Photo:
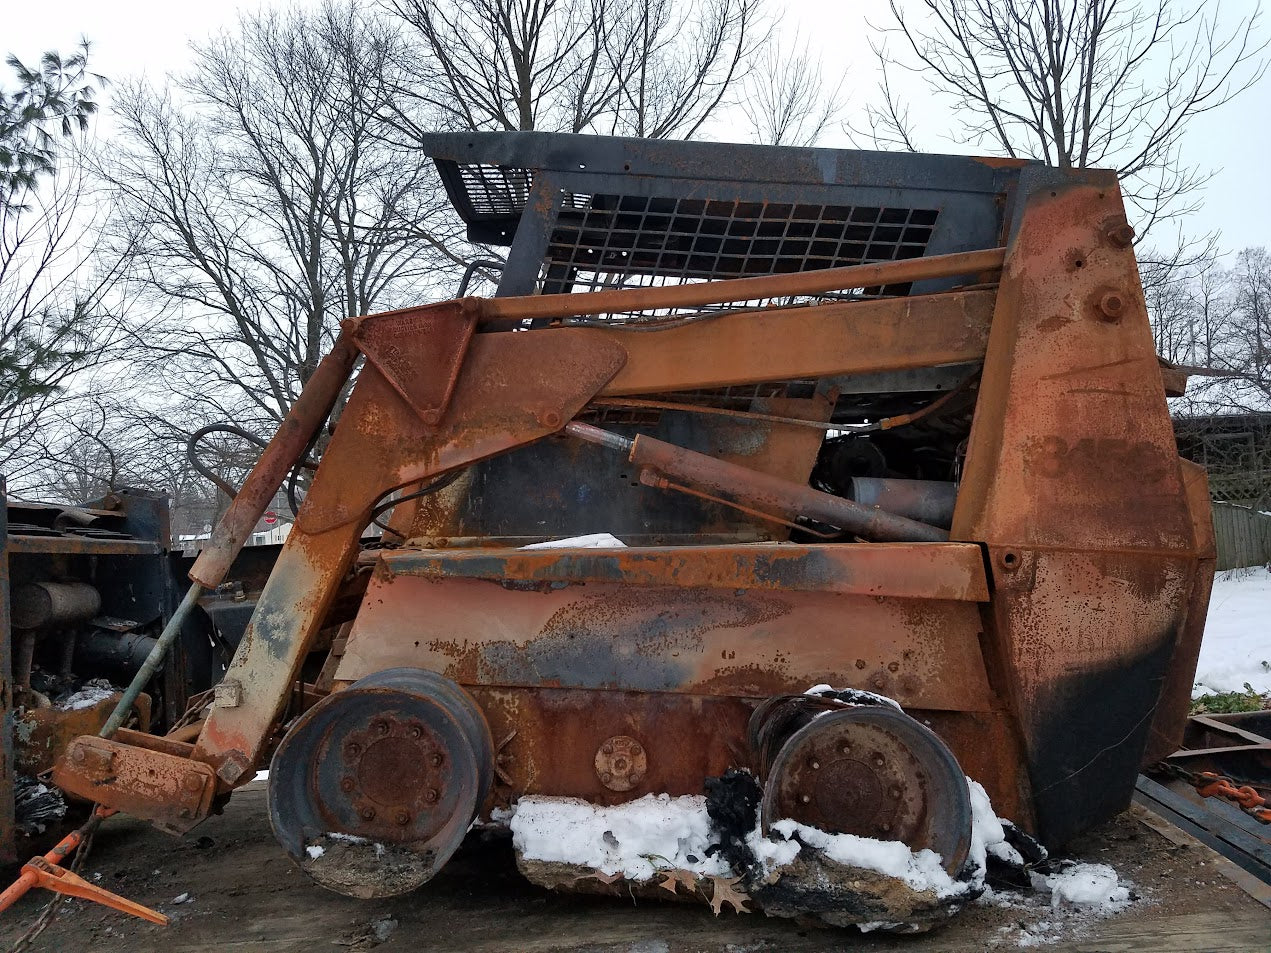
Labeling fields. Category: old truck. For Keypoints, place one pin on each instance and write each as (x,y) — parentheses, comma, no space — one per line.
(887,423)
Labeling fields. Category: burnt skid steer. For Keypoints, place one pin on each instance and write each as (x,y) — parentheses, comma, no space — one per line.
(888,424)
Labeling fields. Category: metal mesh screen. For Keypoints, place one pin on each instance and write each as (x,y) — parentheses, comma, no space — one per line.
(638,241)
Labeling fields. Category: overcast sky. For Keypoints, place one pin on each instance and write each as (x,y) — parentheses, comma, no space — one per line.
(133,36)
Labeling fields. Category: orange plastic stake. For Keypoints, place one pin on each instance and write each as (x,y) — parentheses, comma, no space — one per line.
(45,872)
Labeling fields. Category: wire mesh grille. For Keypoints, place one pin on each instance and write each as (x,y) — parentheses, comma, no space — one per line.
(632,241)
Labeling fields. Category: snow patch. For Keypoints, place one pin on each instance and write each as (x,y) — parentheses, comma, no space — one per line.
(636,839)
(1094,888)
(315,851)
(590,541)
(853,696)
(85,698)
(1235,649)
(923,870)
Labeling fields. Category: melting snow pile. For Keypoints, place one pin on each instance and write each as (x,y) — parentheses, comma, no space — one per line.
(635,839)
(1092,887)
(656,833)
(1235,649)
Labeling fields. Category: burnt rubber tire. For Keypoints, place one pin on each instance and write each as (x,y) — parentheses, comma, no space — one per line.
(372,790)
(873,771)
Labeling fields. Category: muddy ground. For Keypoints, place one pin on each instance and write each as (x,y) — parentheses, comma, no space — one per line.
(244,894)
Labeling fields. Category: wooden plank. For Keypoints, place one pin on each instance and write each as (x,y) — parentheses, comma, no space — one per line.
(1224,932)
(1246,881)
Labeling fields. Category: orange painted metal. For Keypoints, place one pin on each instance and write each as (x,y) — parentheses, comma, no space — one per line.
(160,783)
(745,289)
(1036,645)
(667,635)
(823,340)
(1073,481)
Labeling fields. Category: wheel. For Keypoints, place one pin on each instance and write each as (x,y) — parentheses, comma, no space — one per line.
(867,770)
(373,789)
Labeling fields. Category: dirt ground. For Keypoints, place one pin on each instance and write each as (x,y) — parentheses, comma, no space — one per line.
(244,894)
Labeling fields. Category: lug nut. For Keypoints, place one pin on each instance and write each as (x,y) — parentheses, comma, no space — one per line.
(1112,305)
(879,760)
(354,749)
(347,785)
(403,818)
(607,748)
(636,750)
(368,813)
(437,759)
(77,755)
(431,795)
(381,727)
(416,732)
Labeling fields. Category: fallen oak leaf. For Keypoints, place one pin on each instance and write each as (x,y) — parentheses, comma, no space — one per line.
(724,891)
(676,877)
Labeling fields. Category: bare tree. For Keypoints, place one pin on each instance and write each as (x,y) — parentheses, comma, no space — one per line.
(265,205)
(1075,83)
(786,98)
(652,68)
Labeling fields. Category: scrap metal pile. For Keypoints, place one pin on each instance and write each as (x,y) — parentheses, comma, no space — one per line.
(888,423)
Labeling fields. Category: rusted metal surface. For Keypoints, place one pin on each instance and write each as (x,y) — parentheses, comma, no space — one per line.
(166,787)
(380,445)
(769,494)
(8,847)
(288,445)
(823,340)
(865,770)
(743,289)
(1073,480)
(670,637)
(419,351)
(45,603)
(952,571)
(404,758)
(44,733)
(928,501)
(621,763)
(1176,694)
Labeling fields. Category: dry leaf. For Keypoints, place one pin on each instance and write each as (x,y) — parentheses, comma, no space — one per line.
(724,892)
(676,877)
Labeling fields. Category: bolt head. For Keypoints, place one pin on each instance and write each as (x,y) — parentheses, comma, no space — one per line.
(814,764)
(879,760)
(193,782)
(607,748)
(885,827)
(381,727)
(1112,305)
(636,750)
(805,799)
(368,813)
(431,795)
(606,777)
(1120,235)
(416,732)
(437,759)
(845,748)
(347,785)
(354,749)
(403,818)
(77,755)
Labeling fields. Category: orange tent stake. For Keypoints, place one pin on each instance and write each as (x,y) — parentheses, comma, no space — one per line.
(46,872)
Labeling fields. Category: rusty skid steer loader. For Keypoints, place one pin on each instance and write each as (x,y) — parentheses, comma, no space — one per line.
(892,424)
